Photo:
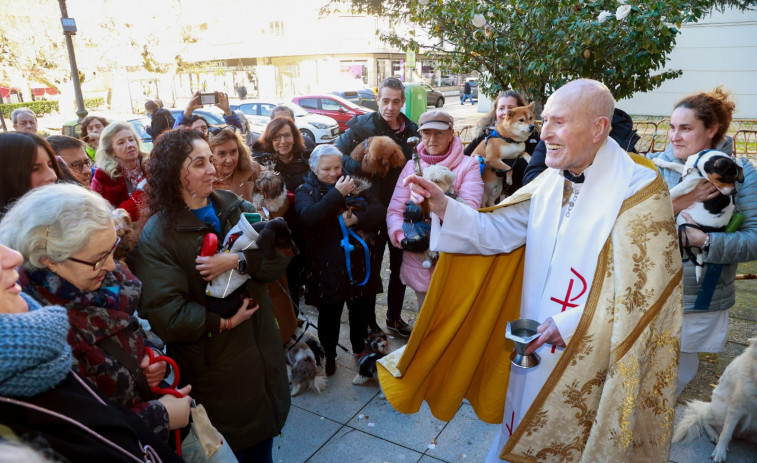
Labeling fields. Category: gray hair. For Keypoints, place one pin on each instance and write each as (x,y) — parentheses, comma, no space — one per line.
(19,111)
(104,157)
(321,151)
(55,221)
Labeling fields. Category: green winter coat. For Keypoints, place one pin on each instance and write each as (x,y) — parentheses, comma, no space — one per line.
(239,375)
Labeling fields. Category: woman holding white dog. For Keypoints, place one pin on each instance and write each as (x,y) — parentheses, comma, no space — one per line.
(700,122)
(439,147)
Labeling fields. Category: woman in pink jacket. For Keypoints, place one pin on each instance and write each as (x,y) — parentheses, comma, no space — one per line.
(439,146)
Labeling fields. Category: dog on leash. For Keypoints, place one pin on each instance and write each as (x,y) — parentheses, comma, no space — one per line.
(377,155)
(376,346)
(508,141)
(732,410)
(270,197)
(713,214)
(125,231)
(305,372)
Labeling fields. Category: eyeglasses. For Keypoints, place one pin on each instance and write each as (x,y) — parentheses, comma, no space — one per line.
(282,137)
(433,133)
(80,165)
(98,265)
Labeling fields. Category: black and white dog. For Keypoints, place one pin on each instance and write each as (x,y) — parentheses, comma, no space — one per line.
(723,172)
(376,346)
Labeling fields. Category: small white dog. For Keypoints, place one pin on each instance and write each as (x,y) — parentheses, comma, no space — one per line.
(732,410)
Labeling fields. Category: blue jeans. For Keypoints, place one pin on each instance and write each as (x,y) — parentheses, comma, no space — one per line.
(467,96)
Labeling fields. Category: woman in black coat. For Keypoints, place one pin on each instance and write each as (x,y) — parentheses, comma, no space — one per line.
(322,203)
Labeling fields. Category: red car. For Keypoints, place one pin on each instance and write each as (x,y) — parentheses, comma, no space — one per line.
(332,106)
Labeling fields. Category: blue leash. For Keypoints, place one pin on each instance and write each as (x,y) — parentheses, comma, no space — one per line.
(348,248)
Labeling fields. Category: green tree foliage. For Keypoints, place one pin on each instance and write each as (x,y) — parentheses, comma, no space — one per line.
(535,46)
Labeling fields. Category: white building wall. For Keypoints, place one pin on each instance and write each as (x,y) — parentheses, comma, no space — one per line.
(719,49)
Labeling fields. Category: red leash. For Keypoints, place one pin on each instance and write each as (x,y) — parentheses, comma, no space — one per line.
(164,390)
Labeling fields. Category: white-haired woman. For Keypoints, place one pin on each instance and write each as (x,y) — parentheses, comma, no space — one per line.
(120,174)
(68,261)
(323,206)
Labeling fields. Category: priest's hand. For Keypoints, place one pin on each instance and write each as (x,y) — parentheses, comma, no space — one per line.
(549,335)
(422,189)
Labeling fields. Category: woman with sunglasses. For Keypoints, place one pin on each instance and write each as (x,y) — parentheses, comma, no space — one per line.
(68,261)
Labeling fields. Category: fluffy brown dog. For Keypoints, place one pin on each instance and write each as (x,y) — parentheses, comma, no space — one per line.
(270,197)
(512,131)
(125,231)
(377,155)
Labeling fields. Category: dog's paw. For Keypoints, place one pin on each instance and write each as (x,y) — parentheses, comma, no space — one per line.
(718,455)
(359,379)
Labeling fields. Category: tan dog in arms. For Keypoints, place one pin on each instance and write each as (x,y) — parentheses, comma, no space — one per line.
(508,142)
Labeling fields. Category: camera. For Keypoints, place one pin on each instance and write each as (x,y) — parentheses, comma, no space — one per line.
(209,98)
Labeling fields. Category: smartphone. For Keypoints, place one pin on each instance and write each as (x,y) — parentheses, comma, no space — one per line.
(208,98)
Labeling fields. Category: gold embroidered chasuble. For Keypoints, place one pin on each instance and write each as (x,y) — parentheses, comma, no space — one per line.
(611,396)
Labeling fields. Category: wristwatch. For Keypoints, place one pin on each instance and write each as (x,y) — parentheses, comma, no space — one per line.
(706,245)
(242,264)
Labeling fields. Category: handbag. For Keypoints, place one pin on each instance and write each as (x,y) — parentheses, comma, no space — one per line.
(204,443)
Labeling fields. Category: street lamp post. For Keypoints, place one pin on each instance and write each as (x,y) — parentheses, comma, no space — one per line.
(69,29)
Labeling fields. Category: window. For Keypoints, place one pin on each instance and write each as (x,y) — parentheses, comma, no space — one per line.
(250,109)
(265,109)
(309,103)
(330,105)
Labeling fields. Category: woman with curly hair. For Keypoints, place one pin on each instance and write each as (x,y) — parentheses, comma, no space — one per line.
(91,128)
(120,174)
(28,162)
(235,169)
(235,364)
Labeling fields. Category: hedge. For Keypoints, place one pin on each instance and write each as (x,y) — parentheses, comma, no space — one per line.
(43,107)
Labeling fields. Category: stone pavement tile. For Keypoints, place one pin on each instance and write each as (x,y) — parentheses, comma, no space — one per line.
(465,438)
(304,434)
(699,451)
(353,446)
(739,330)
(415,431)
(428,459)
(340,401)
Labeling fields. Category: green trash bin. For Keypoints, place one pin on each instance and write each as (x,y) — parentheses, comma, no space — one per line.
(415,101)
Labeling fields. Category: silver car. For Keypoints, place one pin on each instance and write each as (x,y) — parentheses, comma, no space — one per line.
(320,129)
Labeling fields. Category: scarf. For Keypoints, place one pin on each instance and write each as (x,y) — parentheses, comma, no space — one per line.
(133,176)
(34,355)
(105,312)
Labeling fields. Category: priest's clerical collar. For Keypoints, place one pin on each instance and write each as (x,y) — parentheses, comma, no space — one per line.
(573,178)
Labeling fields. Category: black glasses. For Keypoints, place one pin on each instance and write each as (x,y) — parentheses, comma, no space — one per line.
(79,165)
(98,265)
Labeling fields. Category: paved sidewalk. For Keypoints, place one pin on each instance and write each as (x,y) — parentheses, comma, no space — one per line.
(352,424)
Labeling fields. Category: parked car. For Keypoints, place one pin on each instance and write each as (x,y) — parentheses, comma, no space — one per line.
(332,106)
(320,129)
(433,98)
(473,87)
(73,128)
(213,115)
(363,97)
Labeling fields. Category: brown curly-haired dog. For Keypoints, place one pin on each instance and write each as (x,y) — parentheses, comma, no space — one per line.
(125,231)
(377,155)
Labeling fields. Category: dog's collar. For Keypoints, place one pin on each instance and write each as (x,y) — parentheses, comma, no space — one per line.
(495,134)
(365,144)
(699,156)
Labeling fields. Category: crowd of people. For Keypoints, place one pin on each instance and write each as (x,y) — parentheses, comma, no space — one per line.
(104,272)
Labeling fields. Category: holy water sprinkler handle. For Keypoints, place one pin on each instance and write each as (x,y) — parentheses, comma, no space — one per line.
(412,142)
